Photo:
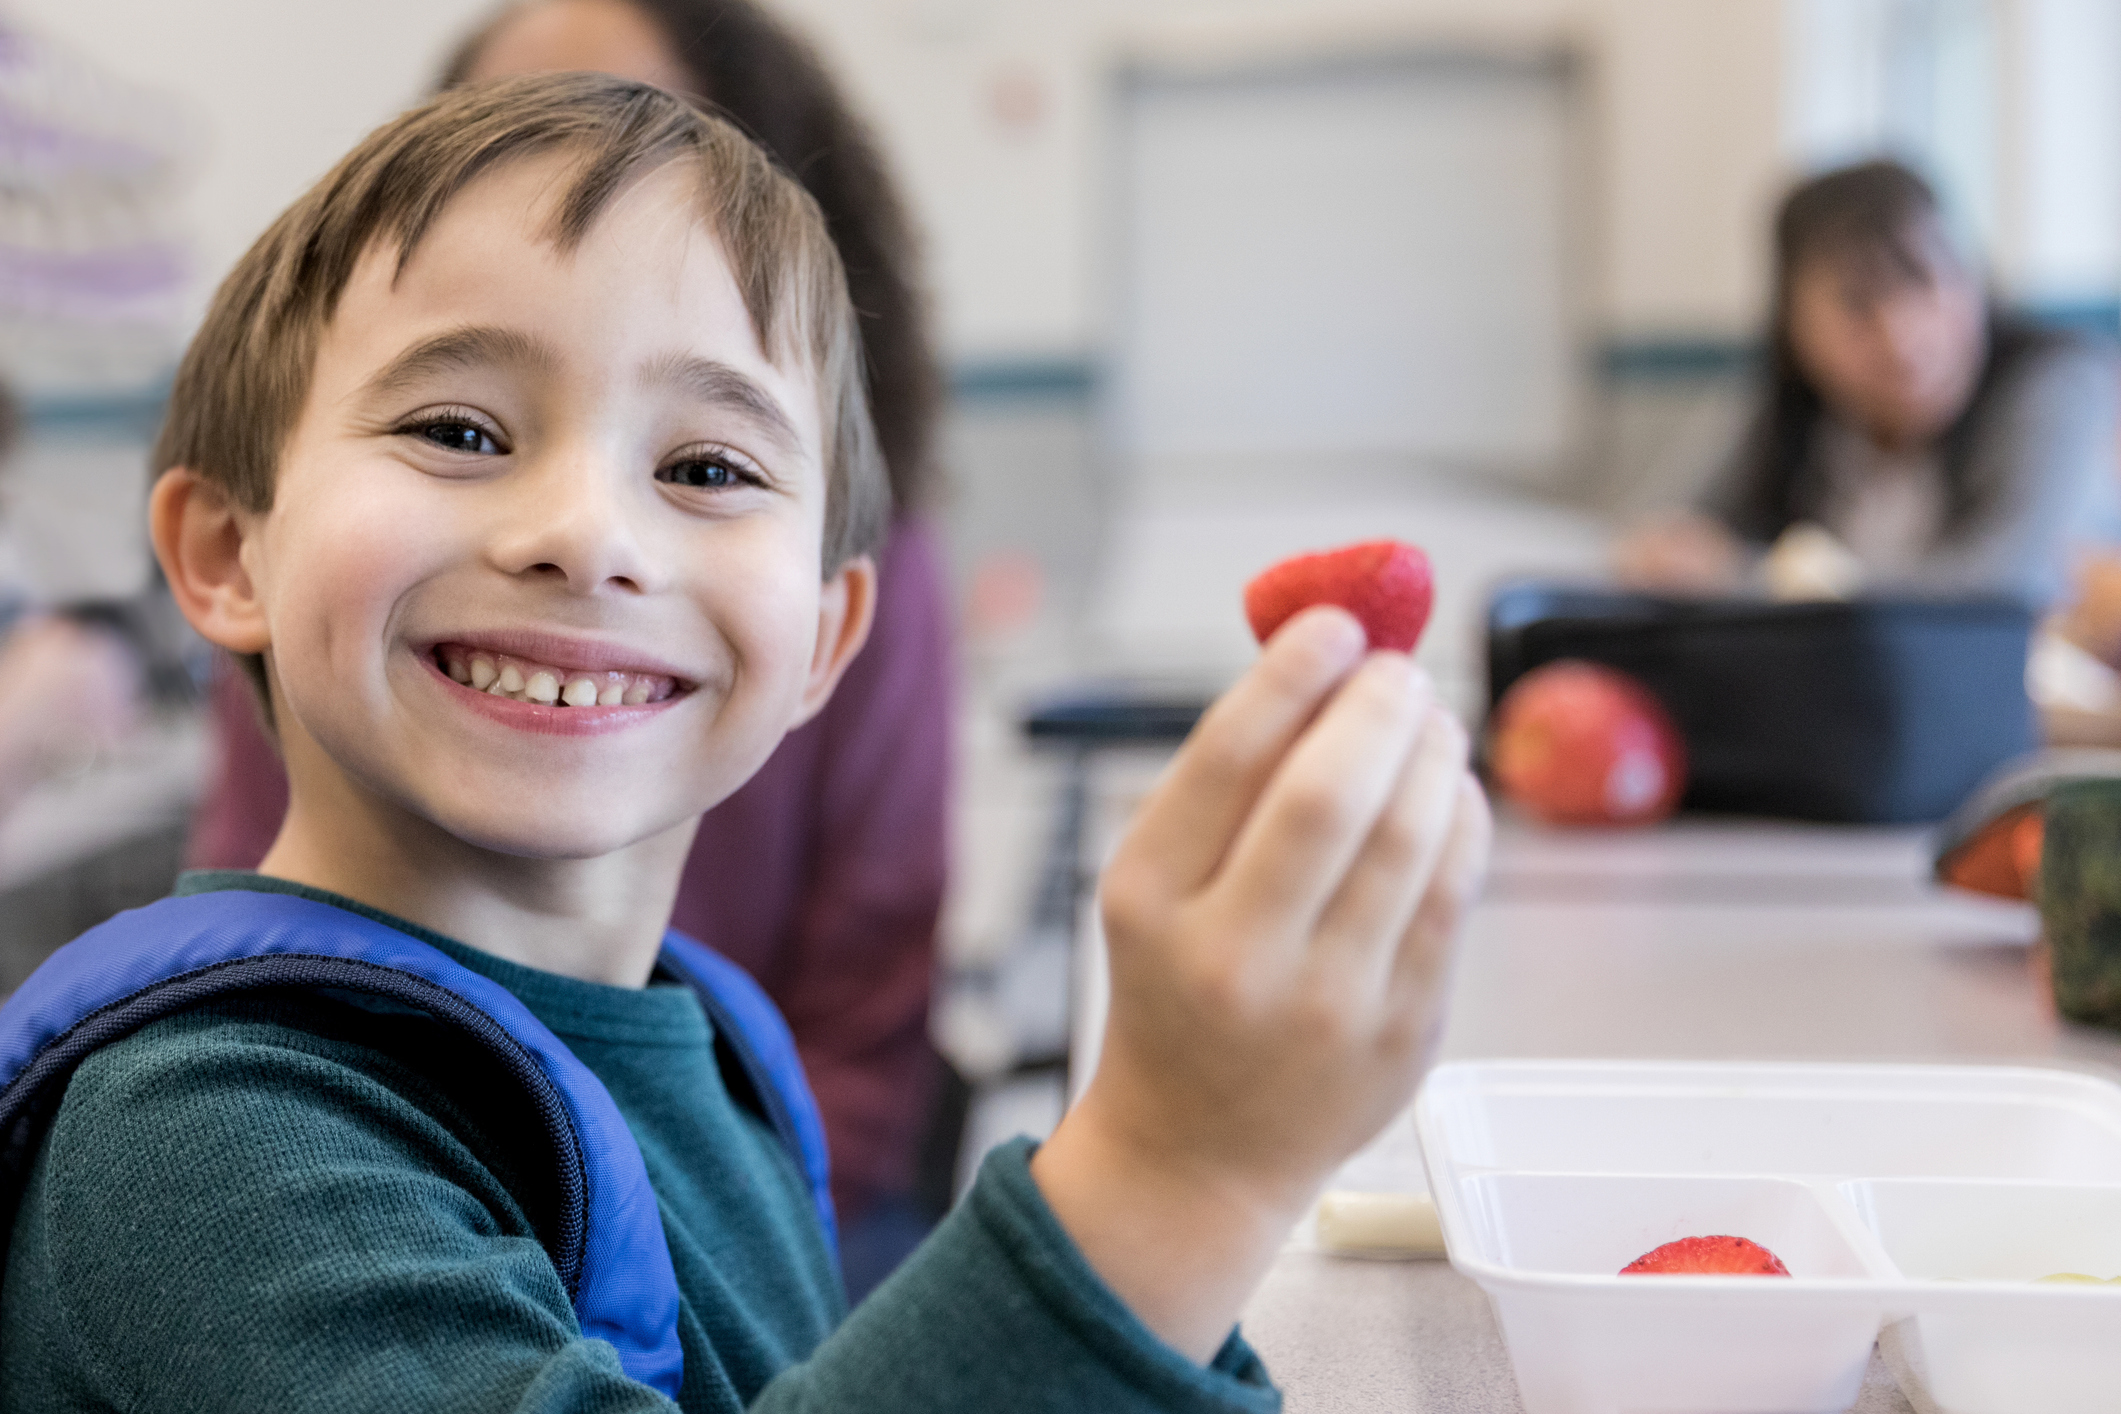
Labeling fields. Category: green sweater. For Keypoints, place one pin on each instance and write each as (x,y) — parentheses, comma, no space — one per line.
(301,1201)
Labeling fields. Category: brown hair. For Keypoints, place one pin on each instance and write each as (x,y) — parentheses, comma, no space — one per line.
(1878,212)
(768,81)
(245,376)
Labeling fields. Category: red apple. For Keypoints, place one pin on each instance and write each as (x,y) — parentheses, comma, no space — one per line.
(1580,744)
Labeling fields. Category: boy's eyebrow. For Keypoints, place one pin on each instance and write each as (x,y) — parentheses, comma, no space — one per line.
(718,385)
(476,346)
(703,379)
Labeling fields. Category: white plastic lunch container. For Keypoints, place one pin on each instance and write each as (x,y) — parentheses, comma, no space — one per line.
(1922,1202)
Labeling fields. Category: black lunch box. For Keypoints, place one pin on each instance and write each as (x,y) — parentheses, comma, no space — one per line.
(1870,711)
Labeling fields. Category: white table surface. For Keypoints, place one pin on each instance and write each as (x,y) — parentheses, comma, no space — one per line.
(1704,940)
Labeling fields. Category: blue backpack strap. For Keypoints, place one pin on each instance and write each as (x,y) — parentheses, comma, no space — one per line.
(151,962)
(750,1025)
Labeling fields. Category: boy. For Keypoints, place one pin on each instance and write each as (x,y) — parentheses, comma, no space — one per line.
(510,457)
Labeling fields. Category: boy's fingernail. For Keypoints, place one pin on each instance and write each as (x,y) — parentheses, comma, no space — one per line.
(1340,630)
(1396,669)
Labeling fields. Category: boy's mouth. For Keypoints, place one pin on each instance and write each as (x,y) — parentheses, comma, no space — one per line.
(542,684)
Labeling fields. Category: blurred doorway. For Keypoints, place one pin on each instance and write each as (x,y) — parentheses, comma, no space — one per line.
(1371,260)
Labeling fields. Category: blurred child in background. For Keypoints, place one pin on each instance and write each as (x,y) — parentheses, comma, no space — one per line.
(823,876)
(1946,449)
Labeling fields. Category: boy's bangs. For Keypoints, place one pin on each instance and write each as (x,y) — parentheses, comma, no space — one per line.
(407,190)
(785,279)
(242,382)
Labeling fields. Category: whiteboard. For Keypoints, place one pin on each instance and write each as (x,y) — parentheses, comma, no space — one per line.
(1369,257)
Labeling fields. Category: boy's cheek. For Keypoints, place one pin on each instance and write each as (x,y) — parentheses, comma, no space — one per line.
(352,560)
(768,604)
(344,523)
(336,596)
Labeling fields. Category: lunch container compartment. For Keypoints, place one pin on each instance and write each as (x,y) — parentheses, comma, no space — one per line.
(1652,1343)
(1595,1224)
(1992,1232)
(1910,1200)
(1982,1337)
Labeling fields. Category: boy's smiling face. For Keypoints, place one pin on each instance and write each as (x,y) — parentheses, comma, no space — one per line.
(515,459)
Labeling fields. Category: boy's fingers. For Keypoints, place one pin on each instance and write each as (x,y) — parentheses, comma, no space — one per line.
(1419,968)
(1358,939)
(1188,821)
(1319,807)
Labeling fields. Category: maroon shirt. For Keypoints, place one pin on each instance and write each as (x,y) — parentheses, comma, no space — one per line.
(822,876)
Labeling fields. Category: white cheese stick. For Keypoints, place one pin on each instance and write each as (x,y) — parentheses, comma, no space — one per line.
(1380,1224)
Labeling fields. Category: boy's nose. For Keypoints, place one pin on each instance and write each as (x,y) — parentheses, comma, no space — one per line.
(574,524)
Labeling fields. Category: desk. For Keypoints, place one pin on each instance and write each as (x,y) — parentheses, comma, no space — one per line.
(1708,940)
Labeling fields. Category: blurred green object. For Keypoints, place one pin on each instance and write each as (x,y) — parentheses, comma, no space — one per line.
(2080,898)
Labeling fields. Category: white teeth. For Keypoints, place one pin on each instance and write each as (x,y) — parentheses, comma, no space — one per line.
(500,676)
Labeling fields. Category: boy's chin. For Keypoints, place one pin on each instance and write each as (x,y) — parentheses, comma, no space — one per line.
(558,833)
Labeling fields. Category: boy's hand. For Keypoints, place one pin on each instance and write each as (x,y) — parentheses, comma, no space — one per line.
(1279,920)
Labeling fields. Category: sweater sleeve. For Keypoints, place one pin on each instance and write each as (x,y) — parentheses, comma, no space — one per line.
(1712,454)
(999,1310)
(2044,465)
(228,1215)
(232,1212)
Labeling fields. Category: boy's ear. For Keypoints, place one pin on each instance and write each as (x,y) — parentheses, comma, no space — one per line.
(198,533)
(845,610)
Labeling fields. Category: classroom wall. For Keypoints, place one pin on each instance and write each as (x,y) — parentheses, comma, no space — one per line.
(1684,120)
(993,111)
(278,89)
(2058,236)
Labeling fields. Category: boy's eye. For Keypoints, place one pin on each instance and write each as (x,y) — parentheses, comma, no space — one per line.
(706,473)
(458,436)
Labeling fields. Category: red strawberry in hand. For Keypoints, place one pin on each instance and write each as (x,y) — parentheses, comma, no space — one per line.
(1384,583)
(1708,1257)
